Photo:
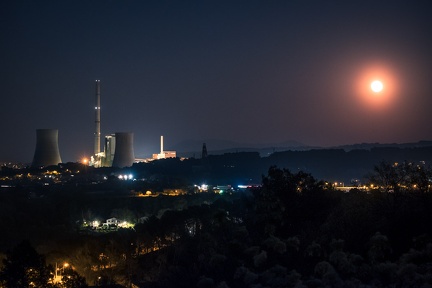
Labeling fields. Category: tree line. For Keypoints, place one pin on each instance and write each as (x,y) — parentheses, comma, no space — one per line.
(293,231)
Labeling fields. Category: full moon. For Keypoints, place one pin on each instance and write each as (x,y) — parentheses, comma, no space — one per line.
(377,86)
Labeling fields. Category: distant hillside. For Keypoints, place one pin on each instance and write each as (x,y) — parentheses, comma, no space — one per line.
(368,146)
(193,148)
(331,164)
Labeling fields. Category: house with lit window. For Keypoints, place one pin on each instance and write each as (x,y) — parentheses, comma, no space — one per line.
(112,221)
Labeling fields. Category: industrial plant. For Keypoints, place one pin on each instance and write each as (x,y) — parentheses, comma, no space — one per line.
(118,148)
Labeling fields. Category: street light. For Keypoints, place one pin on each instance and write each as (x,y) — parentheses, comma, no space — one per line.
(65,265)
(58,276)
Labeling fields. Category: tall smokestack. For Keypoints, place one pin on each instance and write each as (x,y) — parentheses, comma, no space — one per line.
(162,151)
(97,119)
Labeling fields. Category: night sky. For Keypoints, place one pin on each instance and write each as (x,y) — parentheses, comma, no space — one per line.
(246,71)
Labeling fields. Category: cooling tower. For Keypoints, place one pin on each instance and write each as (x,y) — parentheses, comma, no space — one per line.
(47,150)
(124,152)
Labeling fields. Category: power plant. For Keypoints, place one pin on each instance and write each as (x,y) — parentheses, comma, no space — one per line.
(118,147)
(47,150)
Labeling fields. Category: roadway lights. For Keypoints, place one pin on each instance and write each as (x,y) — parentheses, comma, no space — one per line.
(125,177)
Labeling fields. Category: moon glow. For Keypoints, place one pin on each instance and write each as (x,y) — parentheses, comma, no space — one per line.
(377,86)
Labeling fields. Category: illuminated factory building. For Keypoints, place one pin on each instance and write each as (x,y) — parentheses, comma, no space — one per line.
(164,154)
(118,147)
(109,150)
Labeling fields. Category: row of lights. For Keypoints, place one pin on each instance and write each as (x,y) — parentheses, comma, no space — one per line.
(125,177)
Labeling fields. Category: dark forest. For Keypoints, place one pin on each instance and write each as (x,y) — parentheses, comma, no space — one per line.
(292,231)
